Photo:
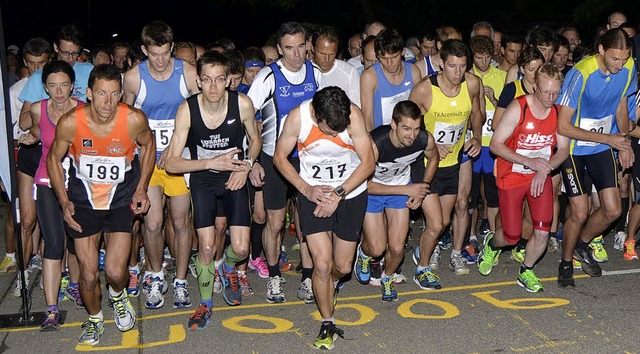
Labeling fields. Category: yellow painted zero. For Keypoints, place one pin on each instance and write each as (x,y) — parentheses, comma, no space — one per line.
(450,310)
(516,304)
(366,315)
(279,324)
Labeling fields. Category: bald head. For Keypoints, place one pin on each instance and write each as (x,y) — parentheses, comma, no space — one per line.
(616,19)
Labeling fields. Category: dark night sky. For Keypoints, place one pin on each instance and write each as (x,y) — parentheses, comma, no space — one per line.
(250,22)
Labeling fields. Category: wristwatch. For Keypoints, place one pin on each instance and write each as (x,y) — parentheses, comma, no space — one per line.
(249,160)
(339,191)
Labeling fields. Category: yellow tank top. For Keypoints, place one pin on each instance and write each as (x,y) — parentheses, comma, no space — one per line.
(447,120)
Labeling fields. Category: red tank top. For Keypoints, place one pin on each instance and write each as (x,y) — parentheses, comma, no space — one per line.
(532,137)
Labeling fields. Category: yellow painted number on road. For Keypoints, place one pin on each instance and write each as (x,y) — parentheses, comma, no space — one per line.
(450,311)
(366,315)
(130,340)
(521,303)
(279,325)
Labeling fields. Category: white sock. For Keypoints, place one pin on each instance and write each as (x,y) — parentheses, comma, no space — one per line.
(97,316)
(12,255)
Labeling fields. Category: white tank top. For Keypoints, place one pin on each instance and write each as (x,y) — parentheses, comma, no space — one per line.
(325,160)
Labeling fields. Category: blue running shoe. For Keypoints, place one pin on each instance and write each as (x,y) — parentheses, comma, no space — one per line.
(427,280)
(362,267)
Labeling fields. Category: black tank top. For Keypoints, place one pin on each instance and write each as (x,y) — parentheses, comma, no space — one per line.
(393,163)
(203,143)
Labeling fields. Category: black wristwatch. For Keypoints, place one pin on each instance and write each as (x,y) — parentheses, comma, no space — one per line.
(339,191)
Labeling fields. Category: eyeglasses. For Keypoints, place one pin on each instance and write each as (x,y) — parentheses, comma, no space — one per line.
(220,80)
(70,54)
(550,93)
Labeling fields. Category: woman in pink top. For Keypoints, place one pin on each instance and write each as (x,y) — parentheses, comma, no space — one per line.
(58,78)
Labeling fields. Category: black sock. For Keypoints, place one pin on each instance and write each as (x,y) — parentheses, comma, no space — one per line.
(274,270)
(565,264)
(306,273)
(582,245)
(553,234)
(524,268)
(522,244)
(256,240)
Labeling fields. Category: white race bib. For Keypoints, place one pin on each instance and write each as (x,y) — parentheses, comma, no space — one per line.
(544,153)
(328,170)
(602,125)
(447,133)
(388,172)
(387,104)
(204,154)
(487,130)
(102,169)
(162,130)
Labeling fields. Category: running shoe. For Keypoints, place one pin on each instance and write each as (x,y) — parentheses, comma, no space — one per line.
(361,267)
(552,245)
(8,265)
(389,292)
(427,279)
(232,294)
(434,260)
(375,268)
(458,265)
(217,282)
(416,255)
(618,240)
(488,257)
(155,296)
(260,266)
(200,318)
(305,292)
(597,250)
(589,264)
(17,285)
(630,250)
(64,281)
(181,298)
(518,254)
(398,277)
(565,276)
(35,263)
(91,331)
(285,266)
(469,254)
(51,322)
(123,313)
(192,266)
(446,239)
(576,262)
(328,334)
(275,294)
(102,255)
(133,288)
(146,283)
(73,293)
(476,245)
(529,281)
(245,285)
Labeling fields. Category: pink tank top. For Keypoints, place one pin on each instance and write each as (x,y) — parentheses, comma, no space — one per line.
(47,134)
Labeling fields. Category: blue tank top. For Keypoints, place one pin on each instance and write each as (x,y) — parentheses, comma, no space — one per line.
(387,95)
(431,70)
(285,97)
(160,100)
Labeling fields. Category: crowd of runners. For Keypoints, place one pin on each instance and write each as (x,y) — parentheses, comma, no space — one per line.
(154,160)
